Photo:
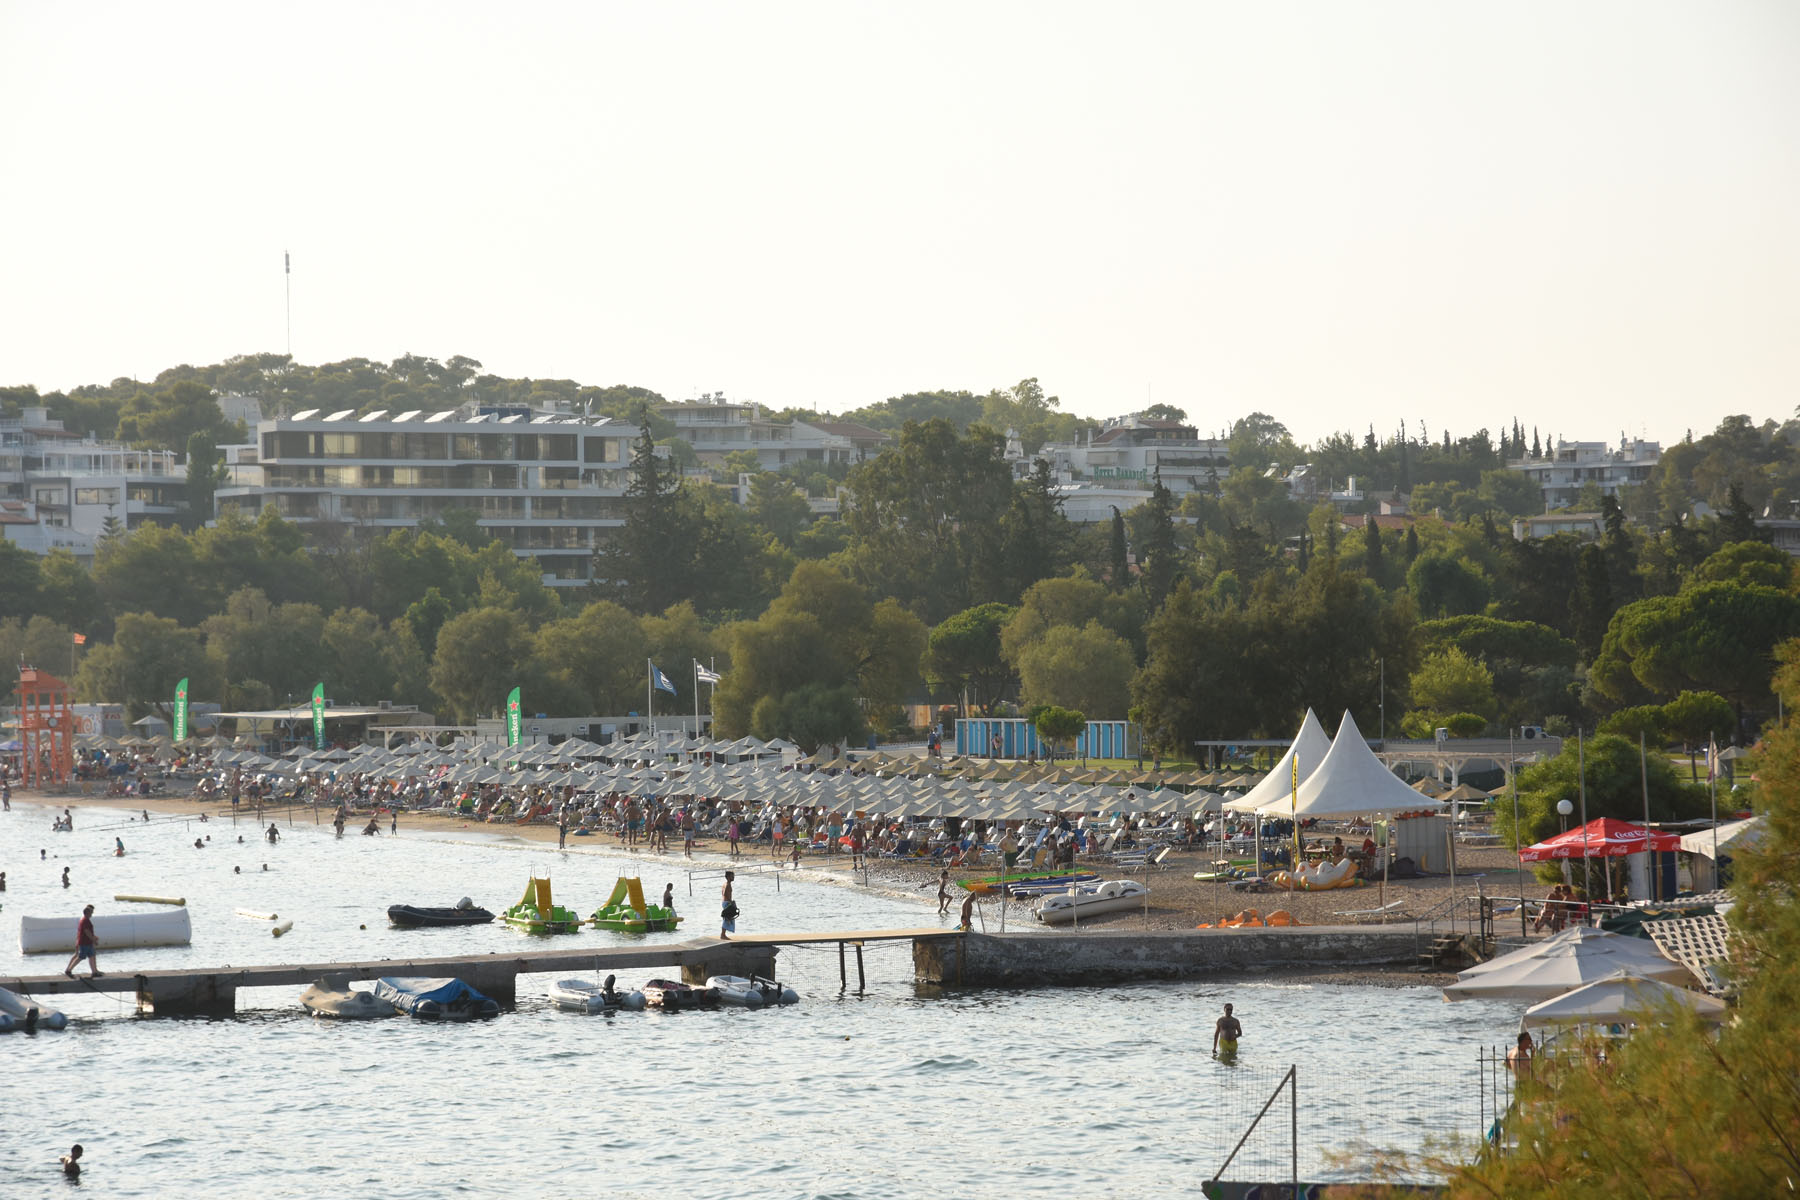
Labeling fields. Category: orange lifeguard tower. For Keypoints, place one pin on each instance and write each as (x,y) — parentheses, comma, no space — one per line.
(46,727)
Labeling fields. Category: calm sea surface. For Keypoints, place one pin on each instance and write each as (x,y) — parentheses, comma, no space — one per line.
(897,1092)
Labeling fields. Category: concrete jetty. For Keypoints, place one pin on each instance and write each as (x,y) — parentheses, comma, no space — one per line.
(212,991)
(1121,956)
(945,957)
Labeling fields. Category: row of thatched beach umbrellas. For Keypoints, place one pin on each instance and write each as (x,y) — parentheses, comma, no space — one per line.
(751,772)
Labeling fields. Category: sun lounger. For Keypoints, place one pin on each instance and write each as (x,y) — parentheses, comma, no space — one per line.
(1379,913)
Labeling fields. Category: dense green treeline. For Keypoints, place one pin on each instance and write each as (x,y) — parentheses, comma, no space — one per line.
(946,577)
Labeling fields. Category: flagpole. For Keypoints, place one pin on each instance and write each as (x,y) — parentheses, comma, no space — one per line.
(650,694)
(696,664)
(1587,882)
(1712,790)
(1649,854)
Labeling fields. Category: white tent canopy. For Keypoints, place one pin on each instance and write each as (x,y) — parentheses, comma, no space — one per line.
(1743,833)
(1570,959)
(1311,744)
(1350,782)
(1619,997)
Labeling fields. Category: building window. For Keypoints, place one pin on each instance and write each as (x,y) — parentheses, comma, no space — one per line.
(96,495)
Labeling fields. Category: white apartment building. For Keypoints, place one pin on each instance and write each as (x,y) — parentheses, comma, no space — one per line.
(549,485)
(66,486)
(1561,473)
(1117,465)
(715,427)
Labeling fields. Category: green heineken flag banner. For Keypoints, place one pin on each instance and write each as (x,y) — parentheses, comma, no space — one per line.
(319,717)
(515,721)
(180,724)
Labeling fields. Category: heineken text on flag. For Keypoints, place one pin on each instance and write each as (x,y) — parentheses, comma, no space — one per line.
(515,720)
(318,716)
(178,727)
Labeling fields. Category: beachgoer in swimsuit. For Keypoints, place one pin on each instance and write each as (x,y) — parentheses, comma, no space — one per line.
(728,909)
(1226,1033)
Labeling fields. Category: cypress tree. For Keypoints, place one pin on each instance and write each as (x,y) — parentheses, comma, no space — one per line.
(1121,566)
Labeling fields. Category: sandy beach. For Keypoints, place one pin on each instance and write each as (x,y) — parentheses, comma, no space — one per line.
(1177,899)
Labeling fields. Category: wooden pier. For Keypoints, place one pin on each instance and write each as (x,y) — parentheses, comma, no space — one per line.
(212,991)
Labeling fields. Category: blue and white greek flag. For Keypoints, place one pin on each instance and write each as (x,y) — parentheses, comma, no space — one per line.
(703,674)
(660,681)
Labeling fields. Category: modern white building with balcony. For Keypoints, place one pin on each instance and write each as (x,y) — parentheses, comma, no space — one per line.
(549,485)
(72,489)
(715,427)
(1568,467)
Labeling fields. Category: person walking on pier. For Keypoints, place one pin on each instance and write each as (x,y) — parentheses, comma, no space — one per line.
(728,909)
(86,946)
(1226,1034)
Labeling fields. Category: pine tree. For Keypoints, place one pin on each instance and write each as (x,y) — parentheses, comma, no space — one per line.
(647,558)
(1412,545)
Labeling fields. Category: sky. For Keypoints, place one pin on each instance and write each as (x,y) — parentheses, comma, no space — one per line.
(1583,216)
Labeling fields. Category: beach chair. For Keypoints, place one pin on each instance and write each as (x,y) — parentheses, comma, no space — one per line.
(1359,915)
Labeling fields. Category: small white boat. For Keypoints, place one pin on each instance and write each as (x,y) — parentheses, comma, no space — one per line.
(333,997)
(116,931)
(1115,895)
(16,1012)
(592,996)
(754,992)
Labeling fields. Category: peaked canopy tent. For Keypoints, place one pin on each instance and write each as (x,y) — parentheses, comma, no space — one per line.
(1311,745)
(1621,997)
(1350,782)
(1602,837)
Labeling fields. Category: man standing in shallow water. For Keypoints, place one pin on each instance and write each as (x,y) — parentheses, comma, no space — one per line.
(1226,1033)
(728,909)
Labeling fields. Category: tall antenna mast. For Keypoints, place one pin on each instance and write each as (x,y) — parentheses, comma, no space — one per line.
(287,271)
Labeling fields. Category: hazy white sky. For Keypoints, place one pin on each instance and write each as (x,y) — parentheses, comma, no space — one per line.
(1584,215)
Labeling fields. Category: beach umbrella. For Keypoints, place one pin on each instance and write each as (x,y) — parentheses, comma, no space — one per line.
(1570,959)
(1603,837)
(1618,998)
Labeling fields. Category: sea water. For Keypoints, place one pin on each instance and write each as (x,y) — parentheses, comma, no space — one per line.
(897,1091)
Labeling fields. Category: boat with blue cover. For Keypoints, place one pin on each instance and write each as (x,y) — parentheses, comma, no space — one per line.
(435,999)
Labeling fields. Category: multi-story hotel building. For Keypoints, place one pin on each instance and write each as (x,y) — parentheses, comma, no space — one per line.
(61,489)
(550,485)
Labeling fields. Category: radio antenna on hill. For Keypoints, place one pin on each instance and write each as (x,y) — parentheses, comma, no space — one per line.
(287,273)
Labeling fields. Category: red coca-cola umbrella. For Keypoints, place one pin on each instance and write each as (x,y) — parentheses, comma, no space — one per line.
(1603,837)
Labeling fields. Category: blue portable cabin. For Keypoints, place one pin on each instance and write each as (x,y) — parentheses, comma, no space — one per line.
(1019,738)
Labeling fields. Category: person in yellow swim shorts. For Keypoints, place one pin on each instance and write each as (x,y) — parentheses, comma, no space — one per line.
(1226,1033)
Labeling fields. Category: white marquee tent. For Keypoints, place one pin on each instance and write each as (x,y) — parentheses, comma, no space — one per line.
(1350,782)
(1312,743)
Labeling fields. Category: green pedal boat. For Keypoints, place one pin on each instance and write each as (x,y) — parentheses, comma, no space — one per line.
(536,913)
(626,910)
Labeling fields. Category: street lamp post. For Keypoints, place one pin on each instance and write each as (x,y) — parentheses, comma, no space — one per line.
(1563,809)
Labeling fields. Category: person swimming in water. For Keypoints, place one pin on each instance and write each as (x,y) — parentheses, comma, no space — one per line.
(71,1162)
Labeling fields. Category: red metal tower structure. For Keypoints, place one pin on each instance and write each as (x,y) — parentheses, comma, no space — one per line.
(47,728)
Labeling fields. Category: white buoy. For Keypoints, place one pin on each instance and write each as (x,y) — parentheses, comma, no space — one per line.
(254,915)
(282,928)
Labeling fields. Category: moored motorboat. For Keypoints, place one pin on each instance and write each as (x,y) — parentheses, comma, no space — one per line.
(537,913)
(435,999)
(593,995)
(673,996)
(627,911)
(752,992)
(1115,895)
(463,912)
(28,1015)
(333,997)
